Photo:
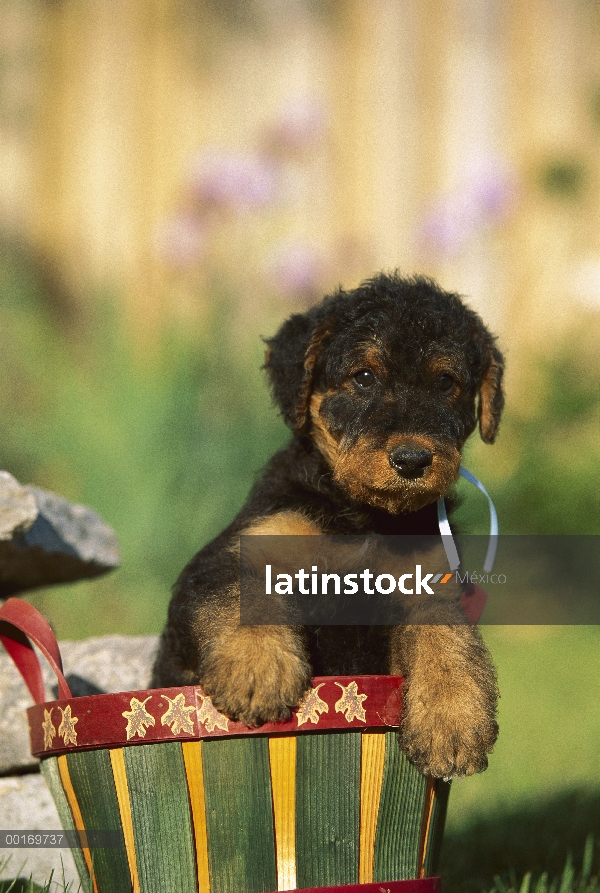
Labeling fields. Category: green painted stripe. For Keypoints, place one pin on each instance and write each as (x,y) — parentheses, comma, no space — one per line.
(239,815)
(436,829)
(92,780)
(49,767)
(400,816)
(327,808)
(160,811)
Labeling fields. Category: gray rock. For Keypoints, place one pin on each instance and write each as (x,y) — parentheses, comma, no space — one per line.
(27,805)
(18,509)
(106,663)
(45,539)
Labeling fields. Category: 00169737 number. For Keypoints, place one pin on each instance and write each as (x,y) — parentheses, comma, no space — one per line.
(33,839)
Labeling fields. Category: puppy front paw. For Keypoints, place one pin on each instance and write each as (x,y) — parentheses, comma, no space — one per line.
(255,674)
(451,735)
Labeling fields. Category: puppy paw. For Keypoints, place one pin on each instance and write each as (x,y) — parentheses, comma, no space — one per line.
(254,675)
(450,736)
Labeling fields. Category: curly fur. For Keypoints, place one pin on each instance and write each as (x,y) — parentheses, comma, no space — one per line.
(432,372)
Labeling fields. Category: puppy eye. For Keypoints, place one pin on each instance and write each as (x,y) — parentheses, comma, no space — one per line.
(364,378)
(445,383)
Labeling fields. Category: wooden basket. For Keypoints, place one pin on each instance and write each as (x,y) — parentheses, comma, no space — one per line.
(198,802)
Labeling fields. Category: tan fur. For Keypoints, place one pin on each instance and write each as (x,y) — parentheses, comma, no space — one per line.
(374,360)
(447,365)
(282,524)
(321,434)
(450,690)
(450,694)
(310,358)
(365,472)
(255,674)
(489,413)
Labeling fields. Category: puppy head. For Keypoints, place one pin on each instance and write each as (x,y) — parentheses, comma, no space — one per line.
(388,381)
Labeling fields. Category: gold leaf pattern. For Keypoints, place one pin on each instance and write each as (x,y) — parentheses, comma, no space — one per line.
(311,706)
(178,715)
(66,728)
(209,716)
(138,718)
(48,727)
(351,702)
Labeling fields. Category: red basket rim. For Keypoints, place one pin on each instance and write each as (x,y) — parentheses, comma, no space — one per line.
(186,714)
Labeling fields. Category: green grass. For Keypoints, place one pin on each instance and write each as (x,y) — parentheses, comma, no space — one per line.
(25,884)
(165,445)
(549,719)
(540,796)
(570,880)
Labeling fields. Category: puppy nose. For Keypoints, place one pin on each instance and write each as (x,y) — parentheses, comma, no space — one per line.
(410,462)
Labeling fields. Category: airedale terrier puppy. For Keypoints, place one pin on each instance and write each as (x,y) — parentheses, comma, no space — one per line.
(381,387)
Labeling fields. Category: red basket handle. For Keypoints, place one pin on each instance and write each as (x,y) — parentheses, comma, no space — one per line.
(20,622)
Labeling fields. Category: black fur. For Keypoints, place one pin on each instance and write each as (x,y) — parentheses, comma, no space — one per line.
(436,370)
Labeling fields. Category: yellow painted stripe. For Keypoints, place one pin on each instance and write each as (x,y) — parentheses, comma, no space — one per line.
(426,823)
(192,758)
(65,777)
(282,758)
(117,761)
(372,760)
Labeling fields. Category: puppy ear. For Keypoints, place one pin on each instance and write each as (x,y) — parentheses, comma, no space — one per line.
(491,396)
(290,362)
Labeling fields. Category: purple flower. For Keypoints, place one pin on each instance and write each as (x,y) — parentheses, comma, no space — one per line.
(486,197)
(299,126)
(296,269)
(181,240)
(493,189)
(446,228)
(228,179)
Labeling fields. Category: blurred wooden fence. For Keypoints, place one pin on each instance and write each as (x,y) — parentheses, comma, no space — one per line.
(418,92)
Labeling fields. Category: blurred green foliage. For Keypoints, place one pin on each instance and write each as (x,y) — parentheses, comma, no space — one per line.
(540,796)
(165,442)
(570,881)
(165,445)
(564,178)
(543,472)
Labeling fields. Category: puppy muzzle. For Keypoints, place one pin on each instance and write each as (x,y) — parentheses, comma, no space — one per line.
(410,462)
